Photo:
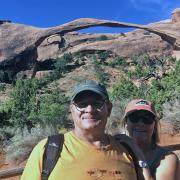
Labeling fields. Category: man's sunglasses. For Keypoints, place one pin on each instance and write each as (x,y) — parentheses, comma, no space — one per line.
(147,118)
(82,105)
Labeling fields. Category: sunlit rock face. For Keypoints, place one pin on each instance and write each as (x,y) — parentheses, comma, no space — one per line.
(26,50)
(176,15)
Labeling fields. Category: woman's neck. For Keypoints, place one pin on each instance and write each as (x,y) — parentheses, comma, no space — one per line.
(145,146)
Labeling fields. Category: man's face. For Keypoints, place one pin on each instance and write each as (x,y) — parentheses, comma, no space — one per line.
(90,111)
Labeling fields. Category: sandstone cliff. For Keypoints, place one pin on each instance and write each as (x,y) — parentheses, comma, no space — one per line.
(24,48)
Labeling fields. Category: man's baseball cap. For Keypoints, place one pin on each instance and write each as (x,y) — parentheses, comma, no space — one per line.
(90,85)
(139,104)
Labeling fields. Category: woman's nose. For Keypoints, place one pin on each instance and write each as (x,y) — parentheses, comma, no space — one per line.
(140,121)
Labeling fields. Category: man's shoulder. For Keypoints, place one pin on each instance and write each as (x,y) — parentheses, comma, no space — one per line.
(40,145)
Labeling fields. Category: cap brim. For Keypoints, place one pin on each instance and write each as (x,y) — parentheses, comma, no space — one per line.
(88,89)
(138,109)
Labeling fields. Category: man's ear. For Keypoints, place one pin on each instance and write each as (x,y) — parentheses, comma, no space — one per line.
(109,107)
(70,108)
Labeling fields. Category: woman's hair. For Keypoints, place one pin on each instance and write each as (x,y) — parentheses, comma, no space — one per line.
(155,136)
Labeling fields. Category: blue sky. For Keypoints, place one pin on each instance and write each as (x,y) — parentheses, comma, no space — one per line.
(48,13)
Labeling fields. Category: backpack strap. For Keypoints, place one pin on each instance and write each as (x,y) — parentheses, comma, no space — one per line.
(51,154)
(154,164)
(132,154)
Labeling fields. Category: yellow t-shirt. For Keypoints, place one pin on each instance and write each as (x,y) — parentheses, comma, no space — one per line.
(82,161)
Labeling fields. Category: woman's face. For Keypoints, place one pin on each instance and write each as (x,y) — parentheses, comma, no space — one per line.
(140,125)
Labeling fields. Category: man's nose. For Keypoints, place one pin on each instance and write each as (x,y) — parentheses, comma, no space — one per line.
(89,108)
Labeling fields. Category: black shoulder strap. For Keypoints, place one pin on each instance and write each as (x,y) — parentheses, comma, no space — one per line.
(154,164)
(51,154)
(132,154)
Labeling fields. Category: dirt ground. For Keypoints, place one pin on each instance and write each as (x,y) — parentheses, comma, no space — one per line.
(165,139)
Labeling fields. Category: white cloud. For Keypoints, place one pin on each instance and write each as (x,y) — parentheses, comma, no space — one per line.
(151,5)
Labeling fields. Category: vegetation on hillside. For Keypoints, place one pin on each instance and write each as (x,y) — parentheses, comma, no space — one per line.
(34,105)
(163,90)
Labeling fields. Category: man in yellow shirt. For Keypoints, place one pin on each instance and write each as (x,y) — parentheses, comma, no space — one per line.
(87,153)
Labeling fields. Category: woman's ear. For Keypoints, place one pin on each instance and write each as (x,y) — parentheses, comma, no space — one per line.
(125,126)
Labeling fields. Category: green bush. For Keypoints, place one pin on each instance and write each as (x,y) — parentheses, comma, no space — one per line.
(102,38)
(53,110)
(29,108)
(171,114)
(118,62)
(2,87)
(101,75)
(103,56)
(159,92)
(23,99)
(61,66)
(125,89)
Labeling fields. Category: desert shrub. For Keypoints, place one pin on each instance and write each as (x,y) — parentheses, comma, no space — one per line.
(123,34)
(171,114)
(20,146)
(166,89)
(23,100)
(52,110)
(29,108)
(114,123)
(1,76)
(4,115)
(118,62)
(5,76)
(102,56)
(102,38)
(160,90)
(146,33)
(101,75)
(140,71)
(125,89)
(60,66)
(2,87)
(145,66)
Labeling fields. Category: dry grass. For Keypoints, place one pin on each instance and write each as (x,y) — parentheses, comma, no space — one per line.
(19,148)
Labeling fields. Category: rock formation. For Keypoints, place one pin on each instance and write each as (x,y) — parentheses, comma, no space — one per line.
(176,16)
(23,47)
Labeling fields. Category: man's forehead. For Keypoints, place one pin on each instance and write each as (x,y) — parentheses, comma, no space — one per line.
(88,94)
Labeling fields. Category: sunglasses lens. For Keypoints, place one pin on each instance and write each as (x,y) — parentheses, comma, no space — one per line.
(81,104)
(98,105)
(146,118)
(95,104)
(133,119)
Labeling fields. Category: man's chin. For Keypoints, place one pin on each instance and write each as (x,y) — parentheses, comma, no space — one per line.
(91,124)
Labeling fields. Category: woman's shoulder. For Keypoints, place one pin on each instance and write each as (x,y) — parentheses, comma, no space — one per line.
(168,167)
(171,157)
(168,158)
(167,153)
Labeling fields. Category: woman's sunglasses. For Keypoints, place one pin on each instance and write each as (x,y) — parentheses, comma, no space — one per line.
(146,118)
